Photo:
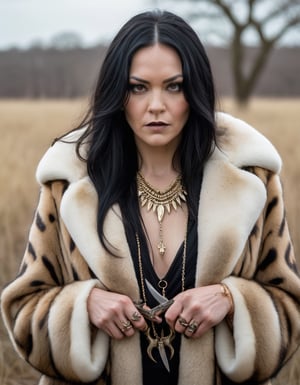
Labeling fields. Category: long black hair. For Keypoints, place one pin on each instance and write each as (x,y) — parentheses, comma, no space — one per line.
(112,160)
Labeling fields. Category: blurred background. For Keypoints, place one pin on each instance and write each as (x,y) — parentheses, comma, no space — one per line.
(50,56)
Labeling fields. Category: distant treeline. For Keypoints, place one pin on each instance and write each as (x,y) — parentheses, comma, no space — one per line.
(71,73)
(49,73)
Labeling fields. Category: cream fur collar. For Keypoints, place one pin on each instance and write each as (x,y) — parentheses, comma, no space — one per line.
(245,146)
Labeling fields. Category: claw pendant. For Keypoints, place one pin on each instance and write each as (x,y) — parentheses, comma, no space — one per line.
(160,343)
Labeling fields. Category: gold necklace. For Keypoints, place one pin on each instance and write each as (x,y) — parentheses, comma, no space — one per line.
(161,201)
(162,341)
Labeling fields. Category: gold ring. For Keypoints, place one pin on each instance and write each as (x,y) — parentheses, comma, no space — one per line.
(135,316)
(192,327)
(126,325)
(183,322)
(124,329)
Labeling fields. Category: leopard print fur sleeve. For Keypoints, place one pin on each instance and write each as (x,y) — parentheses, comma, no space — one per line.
(265,286)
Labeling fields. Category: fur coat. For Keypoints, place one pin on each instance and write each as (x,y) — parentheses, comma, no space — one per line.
(243,241)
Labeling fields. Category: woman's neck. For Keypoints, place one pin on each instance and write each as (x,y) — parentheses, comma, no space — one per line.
(158,168)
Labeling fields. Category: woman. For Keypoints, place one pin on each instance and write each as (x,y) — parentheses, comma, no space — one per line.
(159,252)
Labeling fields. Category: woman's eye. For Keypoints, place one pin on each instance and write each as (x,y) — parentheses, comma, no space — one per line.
(175,87)
(137,88)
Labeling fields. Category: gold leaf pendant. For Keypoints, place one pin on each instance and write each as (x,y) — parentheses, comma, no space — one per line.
(160,212)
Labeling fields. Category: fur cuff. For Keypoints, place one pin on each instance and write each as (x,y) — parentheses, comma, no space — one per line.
(253,348)
(236,353)
(80,357)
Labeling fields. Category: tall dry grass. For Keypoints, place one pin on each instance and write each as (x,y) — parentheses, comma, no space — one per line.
(27,129)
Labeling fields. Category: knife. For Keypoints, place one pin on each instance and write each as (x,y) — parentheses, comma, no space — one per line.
(164,304)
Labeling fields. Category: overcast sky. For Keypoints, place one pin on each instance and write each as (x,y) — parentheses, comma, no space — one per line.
(25,21)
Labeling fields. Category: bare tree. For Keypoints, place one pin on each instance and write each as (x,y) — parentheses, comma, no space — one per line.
(238,22)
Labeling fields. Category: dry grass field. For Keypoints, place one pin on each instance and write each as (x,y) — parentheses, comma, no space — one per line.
(27,129)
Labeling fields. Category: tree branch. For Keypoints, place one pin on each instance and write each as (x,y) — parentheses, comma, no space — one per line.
(292,23)
(227,12)
(280,10)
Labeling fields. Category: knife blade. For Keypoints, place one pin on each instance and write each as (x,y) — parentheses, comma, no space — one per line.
(156,294)
(163,355)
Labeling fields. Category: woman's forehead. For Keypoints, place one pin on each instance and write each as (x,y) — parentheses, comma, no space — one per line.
(156,59)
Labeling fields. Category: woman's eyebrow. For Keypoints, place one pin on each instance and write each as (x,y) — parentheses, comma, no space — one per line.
(172,78)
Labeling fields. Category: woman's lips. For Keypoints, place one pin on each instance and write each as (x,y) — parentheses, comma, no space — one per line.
(157,124)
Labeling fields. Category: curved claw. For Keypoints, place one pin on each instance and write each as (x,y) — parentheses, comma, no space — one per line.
(149,352)
(153,343)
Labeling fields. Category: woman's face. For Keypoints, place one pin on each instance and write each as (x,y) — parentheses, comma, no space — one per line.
(156,109)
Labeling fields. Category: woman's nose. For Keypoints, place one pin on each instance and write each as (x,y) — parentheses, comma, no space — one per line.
(156,102)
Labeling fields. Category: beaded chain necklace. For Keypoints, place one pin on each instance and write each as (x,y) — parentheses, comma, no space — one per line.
(155,340)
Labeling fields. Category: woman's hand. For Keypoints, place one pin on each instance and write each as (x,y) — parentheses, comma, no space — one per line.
(197,310)
(114,313)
